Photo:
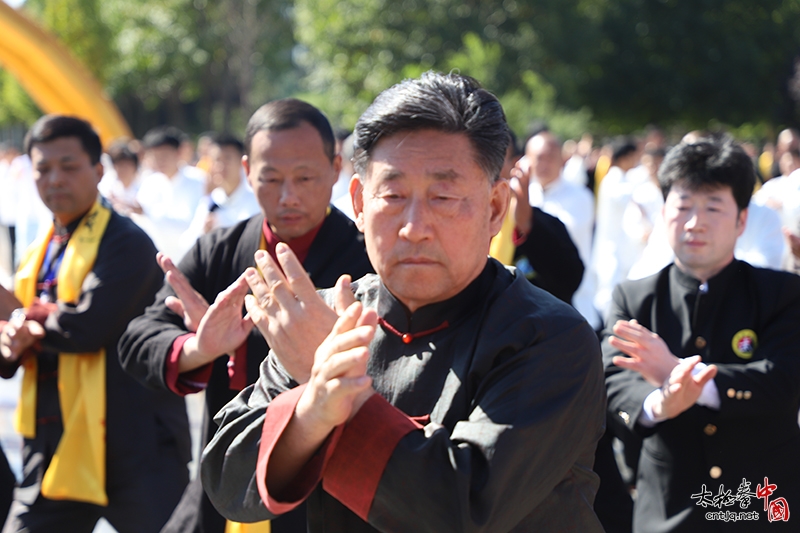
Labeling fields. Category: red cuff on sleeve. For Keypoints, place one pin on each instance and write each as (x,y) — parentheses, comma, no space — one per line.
(279,413)
(368,441)
(237,368)
(186,382)
(519,237)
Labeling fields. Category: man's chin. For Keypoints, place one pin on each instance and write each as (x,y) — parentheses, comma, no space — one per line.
(287,232)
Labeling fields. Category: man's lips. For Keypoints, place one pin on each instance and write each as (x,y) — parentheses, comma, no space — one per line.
(290,218)
(694,243)
(416,261)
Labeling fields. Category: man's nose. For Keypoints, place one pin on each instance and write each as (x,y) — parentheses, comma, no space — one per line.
(289,194)
(695,220)
(417,224)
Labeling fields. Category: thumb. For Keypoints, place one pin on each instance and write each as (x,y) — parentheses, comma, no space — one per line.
(175,305)
(343,296)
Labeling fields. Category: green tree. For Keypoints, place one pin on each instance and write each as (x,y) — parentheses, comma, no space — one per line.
(353,49)
(669,61)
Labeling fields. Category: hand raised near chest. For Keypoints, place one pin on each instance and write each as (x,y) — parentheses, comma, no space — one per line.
(189,303)
(287,310)
(647,353)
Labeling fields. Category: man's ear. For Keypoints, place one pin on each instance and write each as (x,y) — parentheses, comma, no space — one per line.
(499,198)
(99,170)
(246,165)
(741,222)
(357,197)
(337,166)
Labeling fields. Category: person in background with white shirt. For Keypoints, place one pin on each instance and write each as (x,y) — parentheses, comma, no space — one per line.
(572,204)
(613,255)
(170,195)
(232,200)
(121,182)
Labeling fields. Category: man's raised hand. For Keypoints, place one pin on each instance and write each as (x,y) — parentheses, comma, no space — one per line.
(288,312)
(339,383)
(189,303)
(648,354)
(682,389)
(221,329)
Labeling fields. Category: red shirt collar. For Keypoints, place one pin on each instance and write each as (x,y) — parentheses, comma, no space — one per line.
(299,245)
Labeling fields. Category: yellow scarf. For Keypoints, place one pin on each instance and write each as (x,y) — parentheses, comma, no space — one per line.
(502,247)
(78,468)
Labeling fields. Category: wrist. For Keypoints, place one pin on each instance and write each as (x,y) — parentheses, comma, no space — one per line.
(192,356)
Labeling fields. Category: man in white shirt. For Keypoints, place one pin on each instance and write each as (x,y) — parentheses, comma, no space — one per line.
(232,200)
(613,253)
(572,204)
(170,195)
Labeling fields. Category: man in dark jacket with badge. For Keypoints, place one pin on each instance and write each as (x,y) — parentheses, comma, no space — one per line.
(291,167)
(702,360)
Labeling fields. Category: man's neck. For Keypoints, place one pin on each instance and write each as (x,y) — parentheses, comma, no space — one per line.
(230,186)
(702,274)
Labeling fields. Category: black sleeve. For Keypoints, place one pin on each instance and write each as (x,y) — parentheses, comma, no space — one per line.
(556,265)
(626,389)
(145,345)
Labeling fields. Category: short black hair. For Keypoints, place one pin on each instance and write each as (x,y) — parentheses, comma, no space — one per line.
(51,127)
(163,136)
(286,114)
(710,162)
(450,103)
(121,151)
(226,139)
(622,147)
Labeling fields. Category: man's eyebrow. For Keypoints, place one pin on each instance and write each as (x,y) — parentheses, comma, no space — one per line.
(446,175)
(66,158)
(390,174)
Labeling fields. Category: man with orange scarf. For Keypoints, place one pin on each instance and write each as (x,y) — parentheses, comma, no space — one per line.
(97,444)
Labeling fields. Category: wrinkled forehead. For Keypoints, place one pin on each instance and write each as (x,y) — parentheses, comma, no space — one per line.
(441,156)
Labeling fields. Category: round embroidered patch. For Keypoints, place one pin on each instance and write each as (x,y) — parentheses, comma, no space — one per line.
(744,343)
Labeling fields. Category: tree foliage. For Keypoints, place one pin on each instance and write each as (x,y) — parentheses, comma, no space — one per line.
(605,65)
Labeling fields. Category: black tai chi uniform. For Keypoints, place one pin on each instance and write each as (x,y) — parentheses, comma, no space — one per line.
(147,441)
(216,261)
(746,320)
(548,257)
(487,412)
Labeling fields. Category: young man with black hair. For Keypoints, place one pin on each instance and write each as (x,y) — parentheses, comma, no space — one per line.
(291,166)
(170,194)
(701,360)
(97,443)
(446,393)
